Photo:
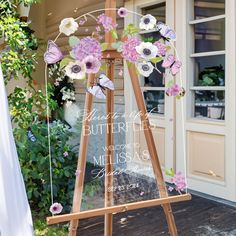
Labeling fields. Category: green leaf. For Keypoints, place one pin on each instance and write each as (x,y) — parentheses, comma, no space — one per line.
(117,45)
(170,172)
(156,60)
(65,62)
(114,34)
(131,30)
(73,40)
(104,46)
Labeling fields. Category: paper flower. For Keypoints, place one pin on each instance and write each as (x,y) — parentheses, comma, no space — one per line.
(161,48)
(56,208)
(107,22)
(145,68)
(92,64)
(179,180)
(174,90)
(147,50)
(87,46)
(147,22)
(75,70)
(68,26)
(65,154)
(129,49)
(122,12)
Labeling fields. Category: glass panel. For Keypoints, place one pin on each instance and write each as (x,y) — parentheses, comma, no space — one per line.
(210,36)
(210,71)
(159,11)
(154,101)
(208,8)
(209,104)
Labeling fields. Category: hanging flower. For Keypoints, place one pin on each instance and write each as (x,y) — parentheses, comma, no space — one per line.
(92,64)
(179,181)
(107,22)
(87,46)
(174,90)
(147,22)
(75,70)
(129,49)
(147,50)
(68,26)
(145,68)
(161,48)
(56,208)
(122,12)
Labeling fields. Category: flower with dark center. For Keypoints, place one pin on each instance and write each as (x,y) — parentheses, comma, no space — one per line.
(147,50)
(145,68)
(92,64)
(147,22)
(122,12)
(76,70)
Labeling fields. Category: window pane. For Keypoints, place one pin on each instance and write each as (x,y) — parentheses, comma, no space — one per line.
(159,11)
(210,104)
(209,71)
(154,101)
(210,36)
(208,8)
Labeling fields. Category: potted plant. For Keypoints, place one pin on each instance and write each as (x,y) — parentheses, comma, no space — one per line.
(23,7)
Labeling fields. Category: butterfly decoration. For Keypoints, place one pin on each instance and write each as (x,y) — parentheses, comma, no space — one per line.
(166,32)
(53,53)
(173,64)
(103,83)
(31,136)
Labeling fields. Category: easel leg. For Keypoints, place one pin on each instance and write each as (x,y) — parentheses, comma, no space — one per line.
(82,157)
(152,150)
(109,153)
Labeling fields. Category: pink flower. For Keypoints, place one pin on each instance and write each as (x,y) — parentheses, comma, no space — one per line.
(161,48)
(129,49)
(77,172)
(87,46)
(65,154)
(92,64)
(56,208)
(174,90)
(81,22)
(122,12)
(170,188)
(179,180)
(106,22)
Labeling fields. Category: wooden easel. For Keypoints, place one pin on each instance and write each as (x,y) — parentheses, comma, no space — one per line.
(110,56)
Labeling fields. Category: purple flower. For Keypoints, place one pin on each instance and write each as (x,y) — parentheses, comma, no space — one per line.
(174,90)
(65,154)
(122,12)
(56,208)
(180,182)
(161,48)
(106,22)
(56,83)
(129,49)
(87,46)
(92,64)
(81,22)
(77,172)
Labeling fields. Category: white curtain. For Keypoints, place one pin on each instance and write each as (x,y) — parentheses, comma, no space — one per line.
(15,215)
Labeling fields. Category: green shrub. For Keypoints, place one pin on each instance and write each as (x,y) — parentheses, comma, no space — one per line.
(34,160)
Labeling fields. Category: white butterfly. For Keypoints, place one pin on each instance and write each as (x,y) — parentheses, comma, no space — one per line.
(166,32)
(103,83)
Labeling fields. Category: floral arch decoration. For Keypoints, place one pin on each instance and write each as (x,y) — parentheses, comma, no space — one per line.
(86,54)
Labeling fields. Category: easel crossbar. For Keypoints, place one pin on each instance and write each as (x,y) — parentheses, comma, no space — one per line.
(116,209)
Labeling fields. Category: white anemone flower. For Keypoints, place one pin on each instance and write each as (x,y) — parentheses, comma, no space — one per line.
(76,70)
(147,22)
(145,68)
(147,50)
(68,26)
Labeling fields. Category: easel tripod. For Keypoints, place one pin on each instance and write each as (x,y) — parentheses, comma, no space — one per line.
(110,56)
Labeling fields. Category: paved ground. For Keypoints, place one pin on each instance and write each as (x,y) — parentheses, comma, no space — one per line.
(200,216)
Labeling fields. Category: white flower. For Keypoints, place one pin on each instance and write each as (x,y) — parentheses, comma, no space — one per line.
(147,50)
(75,70)
(56,208)
(147,22)
(145,68)
(68,26)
